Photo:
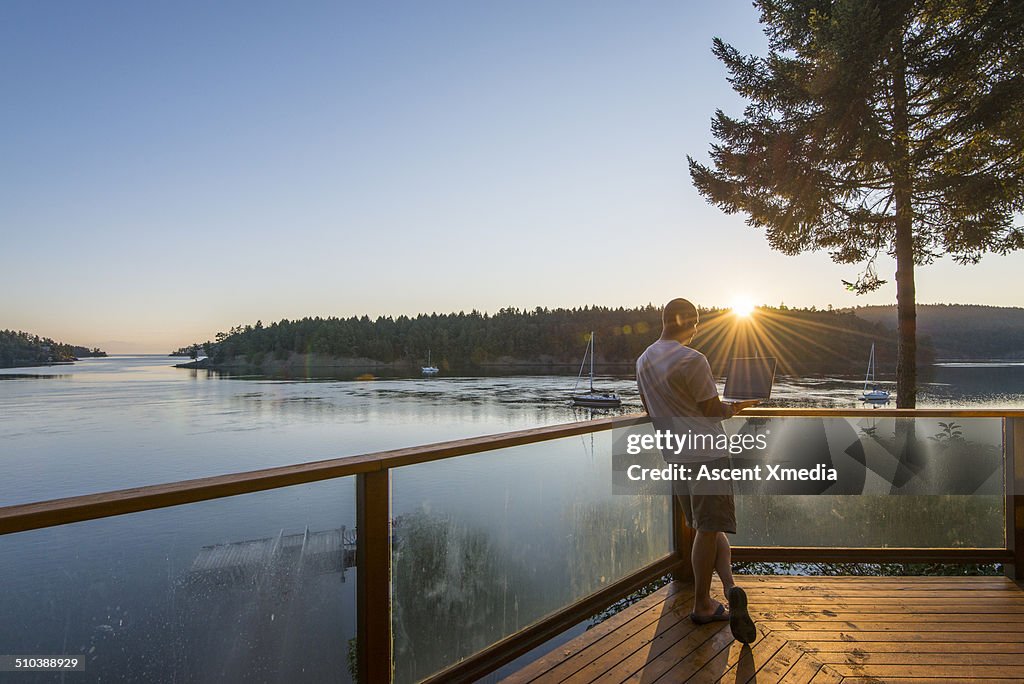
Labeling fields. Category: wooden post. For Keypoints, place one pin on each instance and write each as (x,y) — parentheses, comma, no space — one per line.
(682,541)
(373,577)
(1013,439)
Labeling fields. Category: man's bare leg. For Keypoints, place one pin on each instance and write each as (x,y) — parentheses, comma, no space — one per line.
(723,562)
(704,557)
(740,622)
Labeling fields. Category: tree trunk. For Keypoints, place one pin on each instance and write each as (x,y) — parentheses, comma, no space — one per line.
(906,310)
(906,307)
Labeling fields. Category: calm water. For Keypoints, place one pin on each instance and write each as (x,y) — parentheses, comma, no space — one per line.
(251,586)
(125,421)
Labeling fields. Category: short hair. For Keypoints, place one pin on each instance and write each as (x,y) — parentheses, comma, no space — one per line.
(679,315)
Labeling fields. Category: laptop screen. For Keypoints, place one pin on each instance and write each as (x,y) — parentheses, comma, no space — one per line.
(750,378)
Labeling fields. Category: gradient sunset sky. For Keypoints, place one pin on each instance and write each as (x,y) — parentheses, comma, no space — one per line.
(172,169)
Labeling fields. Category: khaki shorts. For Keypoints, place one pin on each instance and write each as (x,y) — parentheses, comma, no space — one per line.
(707,506)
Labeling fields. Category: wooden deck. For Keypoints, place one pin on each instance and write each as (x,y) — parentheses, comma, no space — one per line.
(820,629)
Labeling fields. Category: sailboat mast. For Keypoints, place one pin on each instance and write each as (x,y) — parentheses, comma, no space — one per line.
(872,362)
(870,375)
(591,361)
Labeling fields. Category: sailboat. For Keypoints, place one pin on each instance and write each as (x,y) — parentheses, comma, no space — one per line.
(429,369)
(876,393)
(593,398)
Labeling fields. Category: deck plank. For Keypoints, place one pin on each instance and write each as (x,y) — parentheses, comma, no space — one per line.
(649,657)
(851,635)
(910,647)
(961,673)
(856,657)
(660,664)
(1008,677)
(780,664)
(728,659)
(827,675)
(804,670)
(822,629)
(908,625)
(927,611)
(688,661)
(743,667)
(566,661)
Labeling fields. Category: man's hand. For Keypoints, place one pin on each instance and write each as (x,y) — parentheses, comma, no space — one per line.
(716,408)
(738,406)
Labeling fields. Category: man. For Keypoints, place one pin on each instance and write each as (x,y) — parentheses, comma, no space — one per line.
(675,381)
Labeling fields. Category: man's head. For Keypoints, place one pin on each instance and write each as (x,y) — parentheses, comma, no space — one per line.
(679,320)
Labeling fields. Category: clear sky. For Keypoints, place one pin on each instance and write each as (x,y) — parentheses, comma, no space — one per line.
(172,169)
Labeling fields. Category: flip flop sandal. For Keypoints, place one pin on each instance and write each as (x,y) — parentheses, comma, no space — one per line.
(740,622)
(719,616)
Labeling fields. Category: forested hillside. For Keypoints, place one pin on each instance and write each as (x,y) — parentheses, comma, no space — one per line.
(24,349)
(962,331)
(803,339)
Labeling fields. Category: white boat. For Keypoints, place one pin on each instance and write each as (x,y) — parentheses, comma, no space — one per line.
(876,394)
(593,398)
(429,369)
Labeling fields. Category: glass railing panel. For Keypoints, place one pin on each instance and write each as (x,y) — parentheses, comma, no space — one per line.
(256,587)
(489,543)
(837,481)
(919,483)
(924,483)
(871,521)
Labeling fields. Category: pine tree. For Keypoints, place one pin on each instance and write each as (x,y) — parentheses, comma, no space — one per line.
(893,125)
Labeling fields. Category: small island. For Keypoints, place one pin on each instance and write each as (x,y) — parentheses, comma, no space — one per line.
(19,349)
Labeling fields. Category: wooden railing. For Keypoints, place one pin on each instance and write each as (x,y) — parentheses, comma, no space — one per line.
(373,506)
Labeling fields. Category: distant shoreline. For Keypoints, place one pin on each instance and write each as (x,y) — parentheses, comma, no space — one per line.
(296,363)
(37,364)
(299,361)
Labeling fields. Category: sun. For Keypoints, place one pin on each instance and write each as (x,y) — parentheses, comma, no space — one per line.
(742,306)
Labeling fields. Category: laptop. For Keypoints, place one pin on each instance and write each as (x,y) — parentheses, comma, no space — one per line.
(749,378)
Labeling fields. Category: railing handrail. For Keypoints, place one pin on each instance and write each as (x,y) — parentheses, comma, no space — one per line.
(882,413)
(37,515)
